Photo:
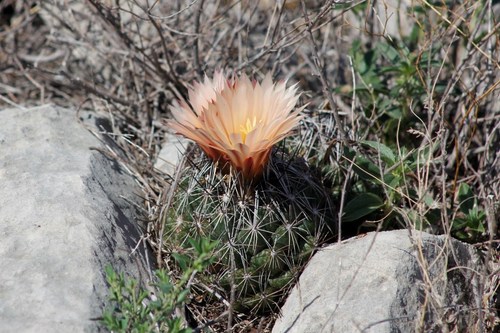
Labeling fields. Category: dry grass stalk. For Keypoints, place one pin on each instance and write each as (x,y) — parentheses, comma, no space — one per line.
(130,58)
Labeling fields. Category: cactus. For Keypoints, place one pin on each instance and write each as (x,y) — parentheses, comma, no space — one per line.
(266,231)
(267,210)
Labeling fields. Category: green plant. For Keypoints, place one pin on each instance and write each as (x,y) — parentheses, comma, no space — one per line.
(380,172)
(392,88)
(397,158)
(470,220)
(133,310)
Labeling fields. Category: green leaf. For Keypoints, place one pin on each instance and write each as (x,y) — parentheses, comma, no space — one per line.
(388,51)
(394,182)
(181,298)
(197,245)
(182,260)
(478,226)
(165,286)
(386,153)
(362,205)
(366,169)
(465,198)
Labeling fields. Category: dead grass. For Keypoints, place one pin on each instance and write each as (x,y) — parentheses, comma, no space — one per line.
(129,58)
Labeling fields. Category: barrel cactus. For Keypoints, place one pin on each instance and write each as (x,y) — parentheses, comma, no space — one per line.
(267,209)
(266,233)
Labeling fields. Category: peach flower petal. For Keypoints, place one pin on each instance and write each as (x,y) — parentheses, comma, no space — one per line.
(237,121)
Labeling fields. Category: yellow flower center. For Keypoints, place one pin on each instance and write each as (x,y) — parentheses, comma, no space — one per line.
(247,128)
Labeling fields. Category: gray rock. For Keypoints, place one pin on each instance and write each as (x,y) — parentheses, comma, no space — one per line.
(387,282)
(65,213)
(171,153)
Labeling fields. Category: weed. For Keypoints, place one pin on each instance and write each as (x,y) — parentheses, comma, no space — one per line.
(134,309)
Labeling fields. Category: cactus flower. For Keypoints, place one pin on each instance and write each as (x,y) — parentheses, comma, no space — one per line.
(237,121)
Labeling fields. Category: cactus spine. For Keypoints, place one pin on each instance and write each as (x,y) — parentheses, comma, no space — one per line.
(266,231)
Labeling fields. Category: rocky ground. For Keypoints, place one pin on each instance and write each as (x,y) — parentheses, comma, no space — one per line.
(400,129)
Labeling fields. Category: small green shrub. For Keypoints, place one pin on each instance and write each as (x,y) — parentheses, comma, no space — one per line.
(133,309)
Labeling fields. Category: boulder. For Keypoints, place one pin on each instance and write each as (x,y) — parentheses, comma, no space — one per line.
(66,211)
(394,281)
